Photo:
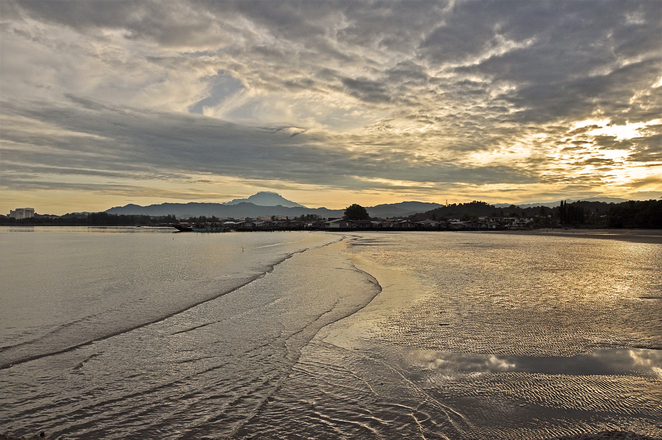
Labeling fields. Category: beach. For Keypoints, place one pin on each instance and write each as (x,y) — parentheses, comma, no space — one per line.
(347,335)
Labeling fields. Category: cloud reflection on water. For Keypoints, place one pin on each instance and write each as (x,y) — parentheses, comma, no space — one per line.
(634,362)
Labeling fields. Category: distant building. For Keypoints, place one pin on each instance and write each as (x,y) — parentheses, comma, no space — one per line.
(19,213)
(339,223)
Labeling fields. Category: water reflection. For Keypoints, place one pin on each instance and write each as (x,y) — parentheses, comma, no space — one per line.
(93,229)
(633,362)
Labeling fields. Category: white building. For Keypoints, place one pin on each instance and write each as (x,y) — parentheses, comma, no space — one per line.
(19,213)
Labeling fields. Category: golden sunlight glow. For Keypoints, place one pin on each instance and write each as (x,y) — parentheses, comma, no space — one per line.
(626,177)
(396,183)
(590,122)
(230,105)
(616,155)
(620,132)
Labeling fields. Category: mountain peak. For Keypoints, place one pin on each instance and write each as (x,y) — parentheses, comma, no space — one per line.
(266,198)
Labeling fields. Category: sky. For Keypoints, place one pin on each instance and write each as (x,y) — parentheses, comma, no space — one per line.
(328,103)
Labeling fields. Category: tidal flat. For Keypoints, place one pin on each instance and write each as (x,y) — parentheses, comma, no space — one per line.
(148,334)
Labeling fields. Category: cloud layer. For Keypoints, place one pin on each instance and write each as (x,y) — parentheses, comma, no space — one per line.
(501,101)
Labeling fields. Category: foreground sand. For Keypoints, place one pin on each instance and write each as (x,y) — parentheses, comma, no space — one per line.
(34,437)
(620,435)
(615,435)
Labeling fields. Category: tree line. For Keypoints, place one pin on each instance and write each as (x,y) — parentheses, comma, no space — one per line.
(644,215)
(571,214)
(90,219)
(632,214)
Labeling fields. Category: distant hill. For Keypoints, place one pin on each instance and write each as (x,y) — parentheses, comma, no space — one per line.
(266,198)
(265,204)
(528,205)
(556,203)
(269,203)
(474,209)
(242,209)
(401,209)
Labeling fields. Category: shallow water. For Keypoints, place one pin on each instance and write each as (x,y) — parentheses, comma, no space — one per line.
(64,287)
(148,334)
(510,335)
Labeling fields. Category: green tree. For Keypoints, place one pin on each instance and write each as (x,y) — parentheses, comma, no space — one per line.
(572,214)
(356,212)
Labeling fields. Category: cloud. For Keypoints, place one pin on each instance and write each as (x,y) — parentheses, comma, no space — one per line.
(366,90)
(88,137)
(362,96)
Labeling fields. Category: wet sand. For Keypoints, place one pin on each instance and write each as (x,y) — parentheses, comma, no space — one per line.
(630,235)
(455,336)
(501,356)
(607,435)
(33,437)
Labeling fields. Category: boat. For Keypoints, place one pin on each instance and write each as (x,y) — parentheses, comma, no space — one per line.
(210,228)
(182,227)
(201,227)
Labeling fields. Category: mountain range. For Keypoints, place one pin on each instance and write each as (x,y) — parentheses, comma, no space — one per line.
(265,204)
(554,204)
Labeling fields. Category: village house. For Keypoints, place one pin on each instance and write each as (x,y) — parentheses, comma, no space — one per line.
(338,223)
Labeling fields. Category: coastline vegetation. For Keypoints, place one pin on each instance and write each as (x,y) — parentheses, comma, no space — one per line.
(90,219)
(580,214)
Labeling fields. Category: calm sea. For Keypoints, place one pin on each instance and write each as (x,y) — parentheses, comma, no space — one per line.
(143,334)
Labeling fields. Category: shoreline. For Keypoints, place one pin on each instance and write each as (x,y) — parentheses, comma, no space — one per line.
(631,235)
